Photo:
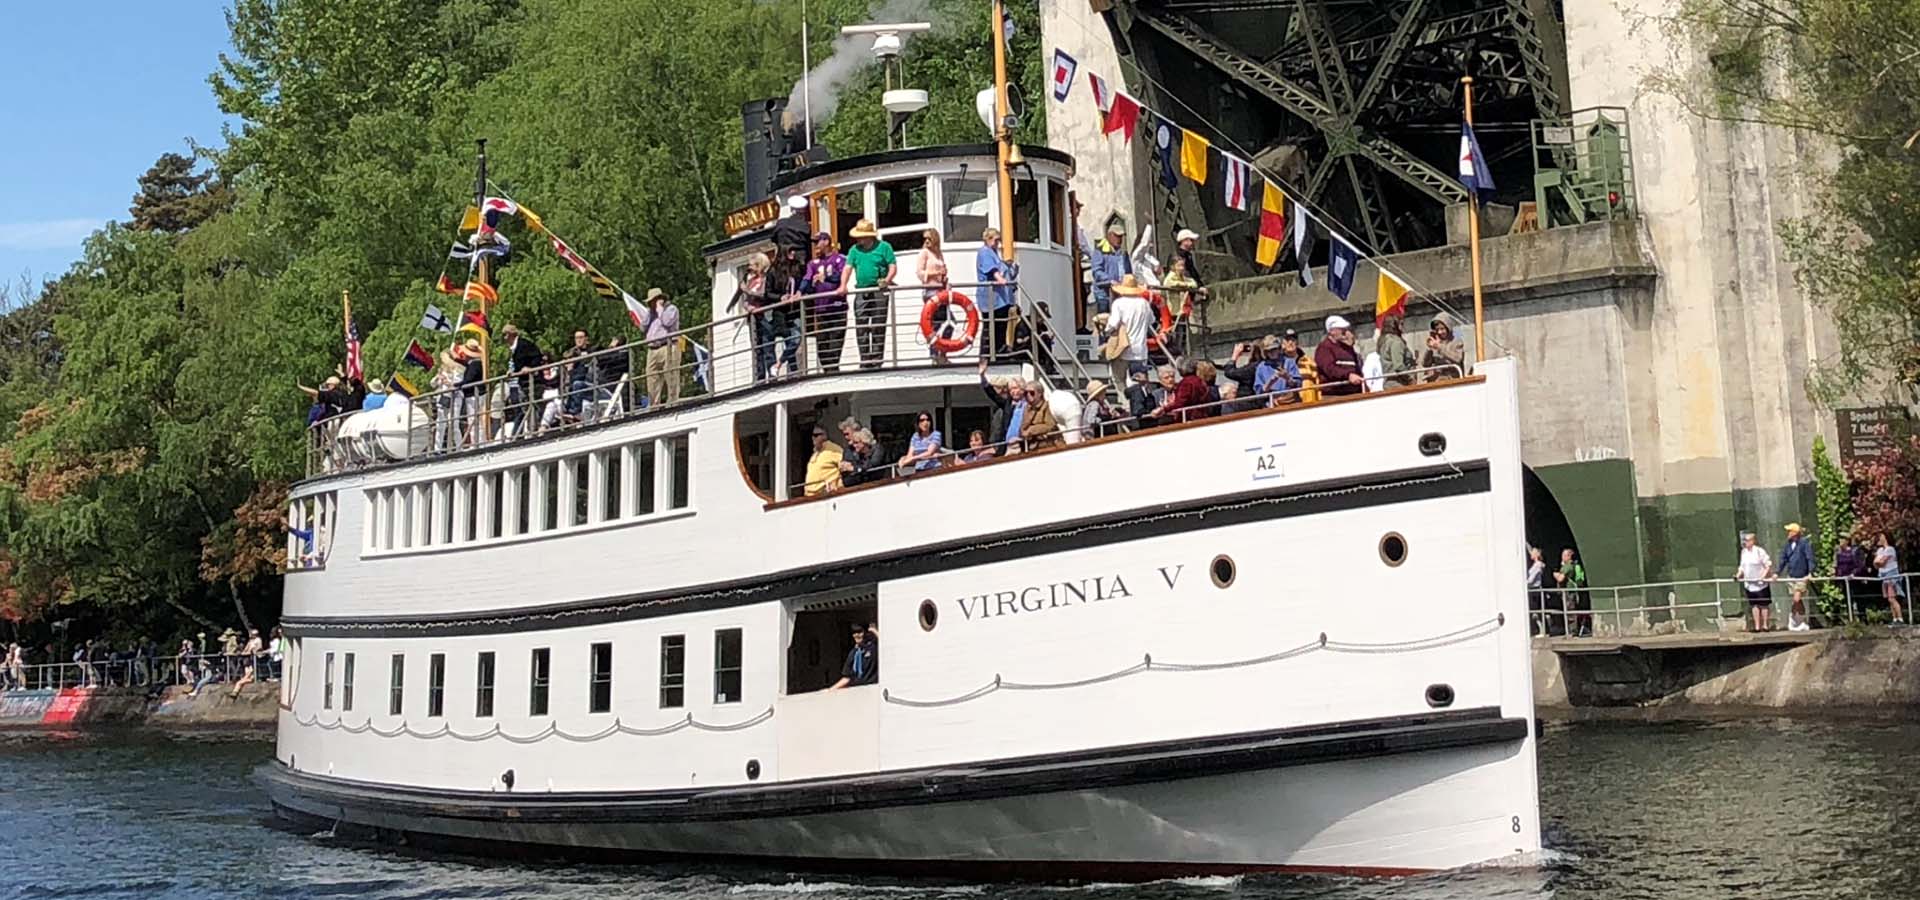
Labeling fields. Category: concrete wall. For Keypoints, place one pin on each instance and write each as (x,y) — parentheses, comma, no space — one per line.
(167,708)
(1104,174)
(1880,676)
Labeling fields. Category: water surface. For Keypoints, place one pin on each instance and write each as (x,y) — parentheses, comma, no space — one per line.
(1774,809)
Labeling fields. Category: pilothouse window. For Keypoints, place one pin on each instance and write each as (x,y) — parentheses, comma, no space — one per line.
(900,212)
(965,200)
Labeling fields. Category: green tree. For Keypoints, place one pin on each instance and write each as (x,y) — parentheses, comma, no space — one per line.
(174,198)
(1834,506)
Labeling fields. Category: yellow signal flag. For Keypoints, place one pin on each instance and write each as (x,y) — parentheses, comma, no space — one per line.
(1193,156)
(470,220)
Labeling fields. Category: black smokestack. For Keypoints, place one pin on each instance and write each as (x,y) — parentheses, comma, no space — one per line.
(764,134)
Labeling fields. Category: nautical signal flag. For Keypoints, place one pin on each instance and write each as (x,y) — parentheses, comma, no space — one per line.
(1118,111)
(1303,242)
(1273,226)
(1390,298)
(566,253)
(398,384)
(480,292)
(419,355)
(491,211)
(1233,186)
(435,320)
(1064,67)
(1473,166)
(446,286)
(1163,140)
(1193,156)
(475,321)
(1342,260)
(636,310)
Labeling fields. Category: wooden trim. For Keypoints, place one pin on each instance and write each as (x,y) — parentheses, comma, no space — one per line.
(740,462)
(1114,438)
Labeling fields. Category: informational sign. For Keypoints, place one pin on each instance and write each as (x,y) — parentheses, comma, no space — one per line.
(747,218)
(1867,432)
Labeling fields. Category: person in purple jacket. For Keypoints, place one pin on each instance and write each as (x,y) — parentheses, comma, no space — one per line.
(826,282)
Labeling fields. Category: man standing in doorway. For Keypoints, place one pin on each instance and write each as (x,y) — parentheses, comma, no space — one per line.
(863,661)
(874,268)
(1754,570)
(1796,563)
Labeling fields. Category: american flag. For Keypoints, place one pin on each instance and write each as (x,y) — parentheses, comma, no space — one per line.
(354,370)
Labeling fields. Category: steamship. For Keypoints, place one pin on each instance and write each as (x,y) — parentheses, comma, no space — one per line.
(1283,639)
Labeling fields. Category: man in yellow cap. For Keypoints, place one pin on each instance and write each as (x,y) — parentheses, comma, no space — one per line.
(1796,565)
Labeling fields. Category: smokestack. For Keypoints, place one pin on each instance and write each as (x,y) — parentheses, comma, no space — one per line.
(764,134)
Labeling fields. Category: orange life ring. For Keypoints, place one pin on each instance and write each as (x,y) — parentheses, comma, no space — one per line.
(949,343)
(1159,304)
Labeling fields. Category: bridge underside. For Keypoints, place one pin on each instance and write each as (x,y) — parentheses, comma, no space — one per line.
(1354,103)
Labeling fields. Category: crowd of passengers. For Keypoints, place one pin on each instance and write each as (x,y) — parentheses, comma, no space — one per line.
(1274,371)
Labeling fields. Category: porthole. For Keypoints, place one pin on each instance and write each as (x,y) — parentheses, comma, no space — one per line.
(1222,571)
(1433,443)
(753,770)
(929,615)
(1393,549)
(1439,696)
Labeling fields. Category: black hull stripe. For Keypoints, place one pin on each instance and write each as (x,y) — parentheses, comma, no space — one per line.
(1053,773)
(1292,501)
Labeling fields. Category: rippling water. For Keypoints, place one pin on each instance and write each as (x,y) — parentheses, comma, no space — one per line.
(1773,809)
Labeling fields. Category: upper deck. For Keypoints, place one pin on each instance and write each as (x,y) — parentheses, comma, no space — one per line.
(949,191)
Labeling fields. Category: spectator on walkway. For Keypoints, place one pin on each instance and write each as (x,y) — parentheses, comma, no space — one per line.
(277,654)
(1443,349)
(826,281)
(1336,360)
(1796,564)
(660,326)
(1852,565)
(1396,360)
(863,661)
(1536,588)
(579,374)
(1886,566)
(1107,263)
(924,447)
(251,662)
(1755,568)
(523,357)
(1572,579)
(823,465)
(874,269)
(184,658)
(1038,427)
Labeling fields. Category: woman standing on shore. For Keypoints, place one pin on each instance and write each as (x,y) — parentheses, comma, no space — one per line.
(1886,564)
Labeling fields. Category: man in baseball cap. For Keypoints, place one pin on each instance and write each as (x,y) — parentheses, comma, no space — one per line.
(1338,361)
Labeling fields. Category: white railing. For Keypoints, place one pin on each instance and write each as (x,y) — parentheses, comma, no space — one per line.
(1643,609)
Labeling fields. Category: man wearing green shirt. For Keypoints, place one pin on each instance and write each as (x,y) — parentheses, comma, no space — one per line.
(872,262)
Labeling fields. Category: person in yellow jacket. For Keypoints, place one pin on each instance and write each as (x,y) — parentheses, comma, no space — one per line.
(823,467)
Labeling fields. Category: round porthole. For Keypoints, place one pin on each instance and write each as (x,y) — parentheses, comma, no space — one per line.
(1433,443)
(1222,571)
(1439,696)
(753,770)
(929,615)
(1393,549)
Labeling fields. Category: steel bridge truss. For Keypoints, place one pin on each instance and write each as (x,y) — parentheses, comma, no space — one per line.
(1356,75)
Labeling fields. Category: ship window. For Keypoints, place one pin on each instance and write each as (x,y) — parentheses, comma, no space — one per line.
(643,475)
(326,692)
(966,204)
(522,501)
(610,506)
(580,490)
(548,474)
(403,518)
(673,671)
(483,693)
(679,488)
(443,506)
(600,680)
(466,505)
(436,685)
(493,513)
(900,212)
(1026,212)
(726,665)
(541,679)
(396,690)
(346,684)
(431,509)
(1056,213)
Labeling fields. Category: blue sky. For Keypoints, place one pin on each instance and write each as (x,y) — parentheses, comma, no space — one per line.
(100,88)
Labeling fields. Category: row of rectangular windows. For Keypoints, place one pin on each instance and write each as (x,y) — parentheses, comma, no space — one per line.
(673,678)
(588,489)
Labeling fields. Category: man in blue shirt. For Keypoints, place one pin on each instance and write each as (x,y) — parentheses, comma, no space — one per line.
(376,395)
(990,268)
(1107,261)
(1796,563)
(1277,372)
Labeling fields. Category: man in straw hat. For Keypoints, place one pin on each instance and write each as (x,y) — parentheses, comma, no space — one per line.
(1796,566)
(663,352)
(874,268)
(1096,412)
(1129,322)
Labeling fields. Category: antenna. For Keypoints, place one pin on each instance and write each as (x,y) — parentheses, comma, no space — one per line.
(899,100)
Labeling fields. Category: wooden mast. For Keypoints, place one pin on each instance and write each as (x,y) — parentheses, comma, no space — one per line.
(1003,135)
(1473,243)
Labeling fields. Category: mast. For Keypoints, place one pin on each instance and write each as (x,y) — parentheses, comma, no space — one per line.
(1473,242)
(481,266)
(1003,134)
